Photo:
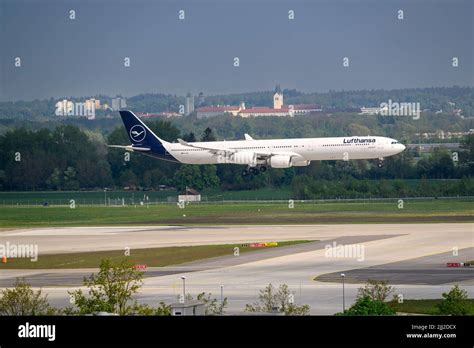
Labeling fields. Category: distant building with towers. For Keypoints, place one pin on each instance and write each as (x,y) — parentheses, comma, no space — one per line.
(189,106)
(277,98)
(279,108)
(201,99)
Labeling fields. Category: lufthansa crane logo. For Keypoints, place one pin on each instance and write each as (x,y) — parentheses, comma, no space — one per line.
(137,133)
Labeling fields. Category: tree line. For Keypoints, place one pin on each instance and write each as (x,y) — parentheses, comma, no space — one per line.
(68,158)
(433,99)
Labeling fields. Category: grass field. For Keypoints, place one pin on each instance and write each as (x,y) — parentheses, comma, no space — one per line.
(239,213)
(424,306)
(133,197)
(154,257)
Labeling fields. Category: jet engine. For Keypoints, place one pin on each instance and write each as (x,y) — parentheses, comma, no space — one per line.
(280,161)
(244,157)
(300,163)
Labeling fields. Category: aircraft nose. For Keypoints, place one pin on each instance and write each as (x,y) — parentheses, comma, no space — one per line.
(402,147)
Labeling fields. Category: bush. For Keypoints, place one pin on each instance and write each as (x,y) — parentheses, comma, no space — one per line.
(367,306)
(22,300)
(454,302)
(272,300)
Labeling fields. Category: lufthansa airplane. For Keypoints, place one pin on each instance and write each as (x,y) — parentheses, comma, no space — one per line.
(256,155)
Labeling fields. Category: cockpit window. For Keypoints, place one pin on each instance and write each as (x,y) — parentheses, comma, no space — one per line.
(395,142)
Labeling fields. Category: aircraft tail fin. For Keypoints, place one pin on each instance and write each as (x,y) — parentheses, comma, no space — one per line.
(138,132)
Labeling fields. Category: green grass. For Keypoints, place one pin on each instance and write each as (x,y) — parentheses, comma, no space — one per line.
(153,257)
(98,197)
(239,213)
(81,197)
(423,306)
(130,197)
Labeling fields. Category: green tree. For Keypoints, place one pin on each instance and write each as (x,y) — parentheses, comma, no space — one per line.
(111,290)
(209,176)
(22,300)
(188,176)
(376,290)
(190,137)
(279,300)
(212,305)
(208,135)
(145,310)
(55,180)
(367,306)
(454,302)
(153,178)
(128,178)
(466,155)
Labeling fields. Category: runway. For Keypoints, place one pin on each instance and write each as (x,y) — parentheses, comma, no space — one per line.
(242,281)
(58,277)
(427,270)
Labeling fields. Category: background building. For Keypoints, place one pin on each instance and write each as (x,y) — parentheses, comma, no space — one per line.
(189,106)
(201,99)
(278,98)
(279,109)
(118,103)
(211,111)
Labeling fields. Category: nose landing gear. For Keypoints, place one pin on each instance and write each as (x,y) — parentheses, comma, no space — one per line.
(380,162)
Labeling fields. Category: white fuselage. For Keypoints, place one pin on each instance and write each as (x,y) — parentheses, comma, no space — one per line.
(302,150)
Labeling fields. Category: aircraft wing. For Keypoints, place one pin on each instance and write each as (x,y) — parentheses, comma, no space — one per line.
(218,151)
(214,150)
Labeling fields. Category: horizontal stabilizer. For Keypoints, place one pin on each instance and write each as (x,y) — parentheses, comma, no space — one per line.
(130,148)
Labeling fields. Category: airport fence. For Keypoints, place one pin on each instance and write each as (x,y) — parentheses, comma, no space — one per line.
(122,202)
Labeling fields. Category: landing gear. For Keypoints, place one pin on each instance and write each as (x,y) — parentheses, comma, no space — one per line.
(253,170)
(380,163)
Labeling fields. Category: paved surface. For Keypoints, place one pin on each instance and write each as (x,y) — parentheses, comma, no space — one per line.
(62,277)
(83,239)
(243,281)
(427,270)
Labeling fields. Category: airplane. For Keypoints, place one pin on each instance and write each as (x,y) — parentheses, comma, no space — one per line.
(256,155)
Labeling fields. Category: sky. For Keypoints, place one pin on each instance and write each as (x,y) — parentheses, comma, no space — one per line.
(85,56)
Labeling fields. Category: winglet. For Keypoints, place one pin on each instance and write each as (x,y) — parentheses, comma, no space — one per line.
(248,137)
(182,142)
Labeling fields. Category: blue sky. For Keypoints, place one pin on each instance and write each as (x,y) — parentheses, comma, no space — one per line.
(85,56)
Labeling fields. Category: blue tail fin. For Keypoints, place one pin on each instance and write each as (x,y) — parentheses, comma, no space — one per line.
(139,133)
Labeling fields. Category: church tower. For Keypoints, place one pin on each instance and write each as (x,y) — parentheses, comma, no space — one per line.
(278,98)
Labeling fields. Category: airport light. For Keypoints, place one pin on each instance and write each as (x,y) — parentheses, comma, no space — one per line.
(105,196)
(343,276)
(184,288)
(222,294)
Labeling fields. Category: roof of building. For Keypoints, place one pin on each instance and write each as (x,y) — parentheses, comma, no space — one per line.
(218,108)
(258,109)
(264,110)
(160,114)
(306,106)
(190,191)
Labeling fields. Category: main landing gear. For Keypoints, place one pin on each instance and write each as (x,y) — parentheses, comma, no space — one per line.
(380,163)
(253,170)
